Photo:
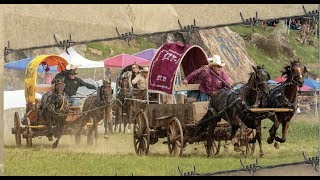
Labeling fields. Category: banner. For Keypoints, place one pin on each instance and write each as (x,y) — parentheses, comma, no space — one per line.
(164,67)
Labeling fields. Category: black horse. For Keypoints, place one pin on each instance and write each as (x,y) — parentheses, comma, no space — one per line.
(53,108)
(285,96)
(233,105)
(96,107)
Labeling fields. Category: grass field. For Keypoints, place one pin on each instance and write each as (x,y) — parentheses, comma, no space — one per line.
(116,156)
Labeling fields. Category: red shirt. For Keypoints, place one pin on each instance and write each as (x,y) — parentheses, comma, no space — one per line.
(209,81)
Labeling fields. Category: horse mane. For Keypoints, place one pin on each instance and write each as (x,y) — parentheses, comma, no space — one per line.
(287,69)
(258,67)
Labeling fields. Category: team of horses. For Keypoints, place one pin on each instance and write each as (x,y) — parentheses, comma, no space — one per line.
(228,104)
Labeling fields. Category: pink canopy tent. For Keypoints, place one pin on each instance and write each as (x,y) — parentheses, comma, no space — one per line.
(124,60)
(306,88)
(280,79)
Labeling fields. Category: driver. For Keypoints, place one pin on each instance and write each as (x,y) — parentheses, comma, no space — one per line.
(72,83)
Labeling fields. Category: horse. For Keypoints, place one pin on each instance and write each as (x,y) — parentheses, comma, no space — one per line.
(121,104)
(54,106)
(285,96)
(233,105)
(96,107)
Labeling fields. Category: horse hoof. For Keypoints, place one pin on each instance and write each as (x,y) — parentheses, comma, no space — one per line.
(262,155)
(50,138)
(54,145)
(270,140)
(106,136)
(280,140)
(276,145)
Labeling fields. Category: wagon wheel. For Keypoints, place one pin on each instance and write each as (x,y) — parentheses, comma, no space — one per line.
(250,147)
(175,137)
(17,129)
(212,147)
(29,134)
(141,133)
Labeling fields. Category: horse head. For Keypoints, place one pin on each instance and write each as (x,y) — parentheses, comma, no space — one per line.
(58,96)
(295,72)
(106,91)
(260,77)
(59,86)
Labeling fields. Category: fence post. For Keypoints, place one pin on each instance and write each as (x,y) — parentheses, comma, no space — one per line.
(316,103)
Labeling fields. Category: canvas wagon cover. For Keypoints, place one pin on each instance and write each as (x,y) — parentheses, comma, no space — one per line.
(31,73)
(165,63)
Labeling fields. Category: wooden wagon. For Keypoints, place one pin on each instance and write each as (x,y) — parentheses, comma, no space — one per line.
(175,120)
(31,125)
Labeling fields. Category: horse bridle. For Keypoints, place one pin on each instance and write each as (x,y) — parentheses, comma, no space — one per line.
(101,89)
(259,83)
(293,76)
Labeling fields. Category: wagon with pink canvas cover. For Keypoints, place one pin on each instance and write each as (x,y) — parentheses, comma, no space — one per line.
(175,118)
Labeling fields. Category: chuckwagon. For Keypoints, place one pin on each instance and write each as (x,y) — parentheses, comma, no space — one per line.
(174,116)
(33,124)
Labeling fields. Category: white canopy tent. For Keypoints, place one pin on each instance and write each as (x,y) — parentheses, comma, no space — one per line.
(75,58)
(16,98)
(81,62)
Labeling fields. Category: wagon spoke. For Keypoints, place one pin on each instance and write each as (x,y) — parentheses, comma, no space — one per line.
(178,143)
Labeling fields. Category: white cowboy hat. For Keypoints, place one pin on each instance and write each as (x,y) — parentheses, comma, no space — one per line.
(216,60)
(71,66)
(145,69)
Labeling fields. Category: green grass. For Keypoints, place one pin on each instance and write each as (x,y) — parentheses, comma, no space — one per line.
(116,155)
(114,48)
(309,54)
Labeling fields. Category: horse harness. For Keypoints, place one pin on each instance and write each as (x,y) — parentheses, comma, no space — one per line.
(279,95)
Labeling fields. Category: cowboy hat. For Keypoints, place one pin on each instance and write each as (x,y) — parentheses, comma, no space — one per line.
(72,71)
(145,69)
(216,60)
(71,66)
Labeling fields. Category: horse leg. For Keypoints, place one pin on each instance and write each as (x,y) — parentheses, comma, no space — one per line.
(109,119)
(96,134)
(49,133)
(259,138)
(89,136)
(285,127)
(120,118)
(60,129)
(105,125)
(128,118)
(79,132)
(273,129)
(234,140)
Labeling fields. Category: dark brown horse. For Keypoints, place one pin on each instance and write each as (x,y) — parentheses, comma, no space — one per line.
(233,106)
(97,107)
(285,96)
(54,107)
(121,105)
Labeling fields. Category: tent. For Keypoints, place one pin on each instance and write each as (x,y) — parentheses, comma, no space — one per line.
(15,99)
(75,58)
(312,83)
(146,54)
(273,83)
(23,63)
(124,60)
(280,79)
